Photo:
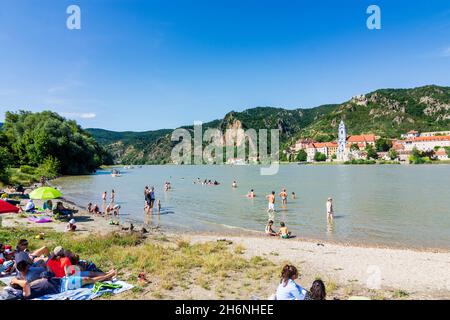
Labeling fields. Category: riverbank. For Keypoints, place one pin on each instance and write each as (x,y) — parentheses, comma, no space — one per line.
(242,266)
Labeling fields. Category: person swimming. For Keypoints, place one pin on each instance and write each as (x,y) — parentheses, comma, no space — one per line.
(234,184)
(251,194)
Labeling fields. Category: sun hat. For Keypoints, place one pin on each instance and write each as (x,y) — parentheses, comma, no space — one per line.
(58,251)
(72,221)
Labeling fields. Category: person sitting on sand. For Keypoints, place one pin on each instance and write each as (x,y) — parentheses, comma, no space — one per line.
(60,209)
(71,226)
(317,291)
(269,229)
(288,289)
(30,207)
(283,232)
(44,286)
(48,205)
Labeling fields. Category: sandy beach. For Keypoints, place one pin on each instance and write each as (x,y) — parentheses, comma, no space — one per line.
(348,270)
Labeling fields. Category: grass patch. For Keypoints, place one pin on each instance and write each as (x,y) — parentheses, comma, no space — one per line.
(167,264)
(400,294)
(239,249)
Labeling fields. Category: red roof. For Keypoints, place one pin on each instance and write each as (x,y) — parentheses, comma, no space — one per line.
(362,138)
(323,145)
(413,132)
(6,207)
(432,138)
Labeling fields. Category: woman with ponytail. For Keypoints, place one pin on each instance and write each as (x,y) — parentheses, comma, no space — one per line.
(288,289)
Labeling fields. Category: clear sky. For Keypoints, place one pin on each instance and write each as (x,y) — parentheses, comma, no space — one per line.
(143,65)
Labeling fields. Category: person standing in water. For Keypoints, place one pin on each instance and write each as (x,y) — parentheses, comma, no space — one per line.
(271,204)
(330,211)
(251,194)
(283,195)
(293,195)
(104,194)
(113,196)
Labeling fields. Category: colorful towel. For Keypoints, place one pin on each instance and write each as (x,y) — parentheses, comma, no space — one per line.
(85,293)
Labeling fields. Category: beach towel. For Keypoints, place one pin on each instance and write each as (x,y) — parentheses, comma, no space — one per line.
(40,219)
(84,293)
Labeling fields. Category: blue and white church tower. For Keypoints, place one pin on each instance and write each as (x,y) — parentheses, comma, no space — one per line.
(342,140)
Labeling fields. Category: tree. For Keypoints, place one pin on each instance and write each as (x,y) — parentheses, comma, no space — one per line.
(383,145)
(354,147)
(318,156)
(393,154)
(447,149)
(301,156)
(35,138)
(371,152)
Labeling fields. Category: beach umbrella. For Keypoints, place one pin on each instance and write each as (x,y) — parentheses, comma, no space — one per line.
(6,207)
(45,193)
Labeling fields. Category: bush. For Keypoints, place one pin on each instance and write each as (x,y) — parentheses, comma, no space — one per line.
(301,156)
(50,168)
(320,157)
(28,169)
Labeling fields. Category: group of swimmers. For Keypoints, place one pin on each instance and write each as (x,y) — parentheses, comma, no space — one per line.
(41,272)
(150,198)
(207,182)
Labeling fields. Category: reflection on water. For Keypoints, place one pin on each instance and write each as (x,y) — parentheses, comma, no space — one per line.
(391,204)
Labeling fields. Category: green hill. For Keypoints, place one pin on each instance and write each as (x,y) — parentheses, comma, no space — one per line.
(385,112)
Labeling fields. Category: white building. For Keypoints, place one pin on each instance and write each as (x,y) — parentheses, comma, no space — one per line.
(428,143)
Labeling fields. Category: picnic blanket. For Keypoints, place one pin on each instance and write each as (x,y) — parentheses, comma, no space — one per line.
(84,293)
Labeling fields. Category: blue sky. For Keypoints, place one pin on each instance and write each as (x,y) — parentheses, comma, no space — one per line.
(143,65)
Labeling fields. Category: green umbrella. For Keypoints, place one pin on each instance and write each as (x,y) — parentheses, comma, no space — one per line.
(45,193)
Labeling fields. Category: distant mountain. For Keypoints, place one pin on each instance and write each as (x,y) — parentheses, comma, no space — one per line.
(386,112)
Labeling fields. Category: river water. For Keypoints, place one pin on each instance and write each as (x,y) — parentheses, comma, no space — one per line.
(391,205)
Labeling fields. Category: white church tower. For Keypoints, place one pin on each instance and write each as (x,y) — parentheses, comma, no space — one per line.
(342,140)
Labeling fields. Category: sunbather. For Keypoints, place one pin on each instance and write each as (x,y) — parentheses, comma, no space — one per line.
(57,262)
(44,286)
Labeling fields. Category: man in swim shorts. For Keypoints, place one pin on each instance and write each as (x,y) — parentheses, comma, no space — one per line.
(283,195)
(271,204)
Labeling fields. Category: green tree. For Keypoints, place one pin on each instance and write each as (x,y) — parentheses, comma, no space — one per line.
(371,152)
(354,147)
(393,154)
(35,138)
(383,145)
(301,156)
(447,149)
(320,157)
